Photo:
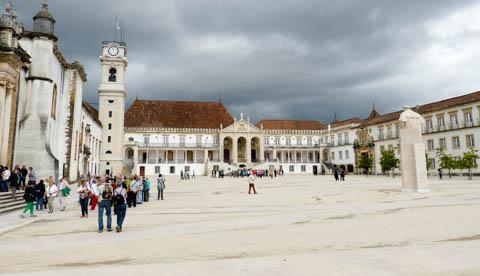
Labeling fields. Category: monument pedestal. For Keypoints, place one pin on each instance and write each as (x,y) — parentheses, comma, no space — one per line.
(413,162)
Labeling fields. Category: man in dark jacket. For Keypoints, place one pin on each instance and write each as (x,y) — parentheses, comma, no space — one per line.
(29,197)
(23,176)
(15,182)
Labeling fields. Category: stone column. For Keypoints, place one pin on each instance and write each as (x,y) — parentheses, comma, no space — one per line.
(3,124)
(205,155)
(262,151)
(234,155)
(135,160)
(248,150)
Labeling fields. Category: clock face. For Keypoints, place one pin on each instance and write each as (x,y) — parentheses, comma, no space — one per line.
(113,51)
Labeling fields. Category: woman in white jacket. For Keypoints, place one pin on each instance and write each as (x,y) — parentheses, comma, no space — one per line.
(52,193)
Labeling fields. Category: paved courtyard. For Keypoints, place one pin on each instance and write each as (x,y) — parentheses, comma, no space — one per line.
(295,225)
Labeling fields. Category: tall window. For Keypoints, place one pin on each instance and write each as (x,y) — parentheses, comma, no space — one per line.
(468,117)
(441,122)
(470,140)
(110,114)
(431,145)
(266,140)
(345,138)
(109,139)
(443,143)
(54,102)
(340,155)
(112,77)
(347,154)
(339,139)
(333,155)
(429,124)
(389,132)
(109,126)
(157,169)
(455,142)
(453,120)
(380,133)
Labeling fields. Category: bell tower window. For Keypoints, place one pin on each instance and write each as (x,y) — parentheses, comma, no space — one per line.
(113,75)
(53,112)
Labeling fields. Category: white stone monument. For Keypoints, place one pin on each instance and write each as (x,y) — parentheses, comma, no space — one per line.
(413,162)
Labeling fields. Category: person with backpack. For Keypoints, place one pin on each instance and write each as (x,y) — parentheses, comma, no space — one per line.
(39,194)
(105,203)
(160,186)
(29,197)
(120,207)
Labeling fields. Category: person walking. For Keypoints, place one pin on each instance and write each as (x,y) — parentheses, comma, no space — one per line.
(64,189)
(5,178)
(92,187)
(141,185)
(146,191)
(160,186)
(32,176)
(132,193)
(23,177)
(105,203)
(52,193)
(39,194)
(120,206)
(251,183)
(83,198)
(335,173)
(440,173)
(29,197)
(15,182)
(342,174)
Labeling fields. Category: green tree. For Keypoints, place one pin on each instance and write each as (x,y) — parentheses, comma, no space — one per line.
(366,163)
(430,164)
(468,161)
(388,161)
(446,161)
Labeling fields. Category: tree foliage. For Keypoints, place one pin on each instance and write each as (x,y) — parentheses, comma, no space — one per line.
(468,161)
(366,163)
(389,161)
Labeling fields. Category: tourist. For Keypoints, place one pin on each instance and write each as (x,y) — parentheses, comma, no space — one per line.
(83,198)
(29,197)
(105,203)
(160,186)
(120,206)
(440,173)
(335,172)
(146,191)
(15,182)
(23,176)
(181,175)
(39,194)
(132,193)
(342,174)
(5,179)
(52,192)
(64,189)
(251,183)
(32,176)
(92,187)
(141,185)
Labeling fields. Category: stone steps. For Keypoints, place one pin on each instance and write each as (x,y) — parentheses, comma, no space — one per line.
(8,204)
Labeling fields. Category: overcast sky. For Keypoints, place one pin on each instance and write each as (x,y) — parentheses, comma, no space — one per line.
(289,59)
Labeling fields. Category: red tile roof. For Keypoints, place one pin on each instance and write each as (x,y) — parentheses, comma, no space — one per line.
(177,114)
(290,124)
(350,121)
(92,112)
(426,108)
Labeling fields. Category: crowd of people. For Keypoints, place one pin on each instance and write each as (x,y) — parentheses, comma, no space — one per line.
(107,193)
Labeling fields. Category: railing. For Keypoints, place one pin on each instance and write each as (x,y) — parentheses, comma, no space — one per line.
(178,145)
(292,146)
(450,126)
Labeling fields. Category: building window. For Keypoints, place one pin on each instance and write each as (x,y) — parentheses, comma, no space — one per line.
(389,132)
(110,114)
(332,140)
(109,139)
(380,133)
(54,102)
(289,141)
(347,154)
(112,77)
(441,122)
(157,169)
(443,143)
(304,168)
(345,138)
(108,152)
(453,120)
(390,147)
(382,149)
(430,145)
(172,169)
(470,140)
(468,118)
(266,140)
(455,142)
(109,126)
(277,141)
(291,168)
(299,141)
(309,141)
(108,163)
(340,155)
(333,155)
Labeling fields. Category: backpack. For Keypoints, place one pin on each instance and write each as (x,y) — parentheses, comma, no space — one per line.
(118,198)
(107,193)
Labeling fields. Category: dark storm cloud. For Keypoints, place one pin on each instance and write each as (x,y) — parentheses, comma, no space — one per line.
(278,59)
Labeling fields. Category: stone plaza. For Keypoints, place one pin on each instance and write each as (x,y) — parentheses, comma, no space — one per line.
(295,225)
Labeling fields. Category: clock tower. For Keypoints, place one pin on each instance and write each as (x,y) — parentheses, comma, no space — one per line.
(111,105)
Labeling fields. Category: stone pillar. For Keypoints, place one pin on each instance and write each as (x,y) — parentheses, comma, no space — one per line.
(3,123)
(248,150)
(262,151)
(234,155)
(135,160)
(205,155)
